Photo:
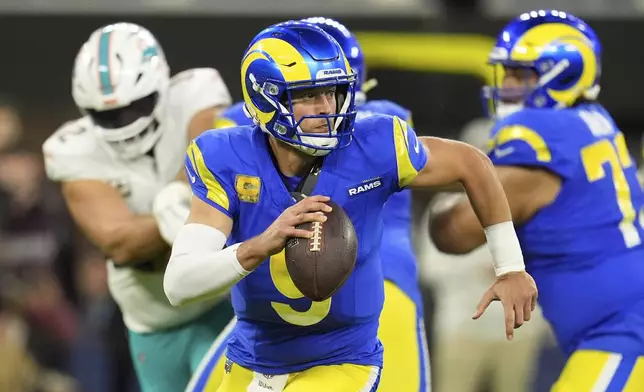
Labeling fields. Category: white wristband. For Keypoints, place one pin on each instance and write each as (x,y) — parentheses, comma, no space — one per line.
(504,246)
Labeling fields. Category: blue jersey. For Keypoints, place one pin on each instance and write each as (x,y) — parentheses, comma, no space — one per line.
(584,249)
(397,254)
(279,330)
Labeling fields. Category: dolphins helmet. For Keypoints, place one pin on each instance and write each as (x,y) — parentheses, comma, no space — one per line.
(120,80)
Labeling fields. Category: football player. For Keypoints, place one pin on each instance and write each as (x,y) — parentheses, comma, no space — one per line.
(402,331)
(574,196)
(117,162)
(253,186)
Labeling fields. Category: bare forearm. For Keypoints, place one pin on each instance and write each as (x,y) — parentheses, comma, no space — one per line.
(181,176)
(250,254)
(491,207)
(454,228)
(485,191)
(136,239)
(105,218)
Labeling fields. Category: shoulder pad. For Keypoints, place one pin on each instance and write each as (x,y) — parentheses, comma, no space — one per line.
(199,88)
(73,152)
(386,107)
(372,129)
(212,163)
(394,144)
(233,116)
(534,137)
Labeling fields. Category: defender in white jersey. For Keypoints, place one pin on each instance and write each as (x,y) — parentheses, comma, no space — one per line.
(120,166)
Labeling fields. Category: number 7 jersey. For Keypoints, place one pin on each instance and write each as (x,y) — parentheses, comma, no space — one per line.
(584,249)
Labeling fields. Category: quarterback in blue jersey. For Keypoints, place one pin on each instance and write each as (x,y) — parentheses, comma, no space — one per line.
(402,330)
(574,195)
(247,185)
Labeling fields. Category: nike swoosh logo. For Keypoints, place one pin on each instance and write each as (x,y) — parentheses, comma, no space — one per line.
(416,147)
(503,152)
(193,179)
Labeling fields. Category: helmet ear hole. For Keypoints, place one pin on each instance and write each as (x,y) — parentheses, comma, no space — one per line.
(283,99)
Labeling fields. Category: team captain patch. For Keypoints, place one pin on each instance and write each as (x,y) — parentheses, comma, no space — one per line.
(248,188)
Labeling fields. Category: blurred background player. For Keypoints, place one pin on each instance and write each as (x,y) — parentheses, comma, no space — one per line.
(460,342)
(282,341)
(575,198)
(119,167)
(402,330)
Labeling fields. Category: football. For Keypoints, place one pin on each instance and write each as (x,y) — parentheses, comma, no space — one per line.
(320,265)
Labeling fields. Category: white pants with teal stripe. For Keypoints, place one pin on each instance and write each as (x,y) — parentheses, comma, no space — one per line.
(164,361)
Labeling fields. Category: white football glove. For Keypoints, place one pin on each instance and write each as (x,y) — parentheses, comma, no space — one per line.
(171,208)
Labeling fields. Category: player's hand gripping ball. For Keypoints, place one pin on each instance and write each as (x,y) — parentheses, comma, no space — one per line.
(320,265)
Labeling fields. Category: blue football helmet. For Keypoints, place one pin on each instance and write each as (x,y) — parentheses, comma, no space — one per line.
(560,49)
(291,56)
(351,48)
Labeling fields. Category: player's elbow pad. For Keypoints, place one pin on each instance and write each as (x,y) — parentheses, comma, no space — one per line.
(199,268)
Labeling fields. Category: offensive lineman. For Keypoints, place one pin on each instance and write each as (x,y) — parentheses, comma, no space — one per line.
(121,161)
(574,195)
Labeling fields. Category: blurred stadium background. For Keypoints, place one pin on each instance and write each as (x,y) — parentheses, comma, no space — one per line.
(60,331)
